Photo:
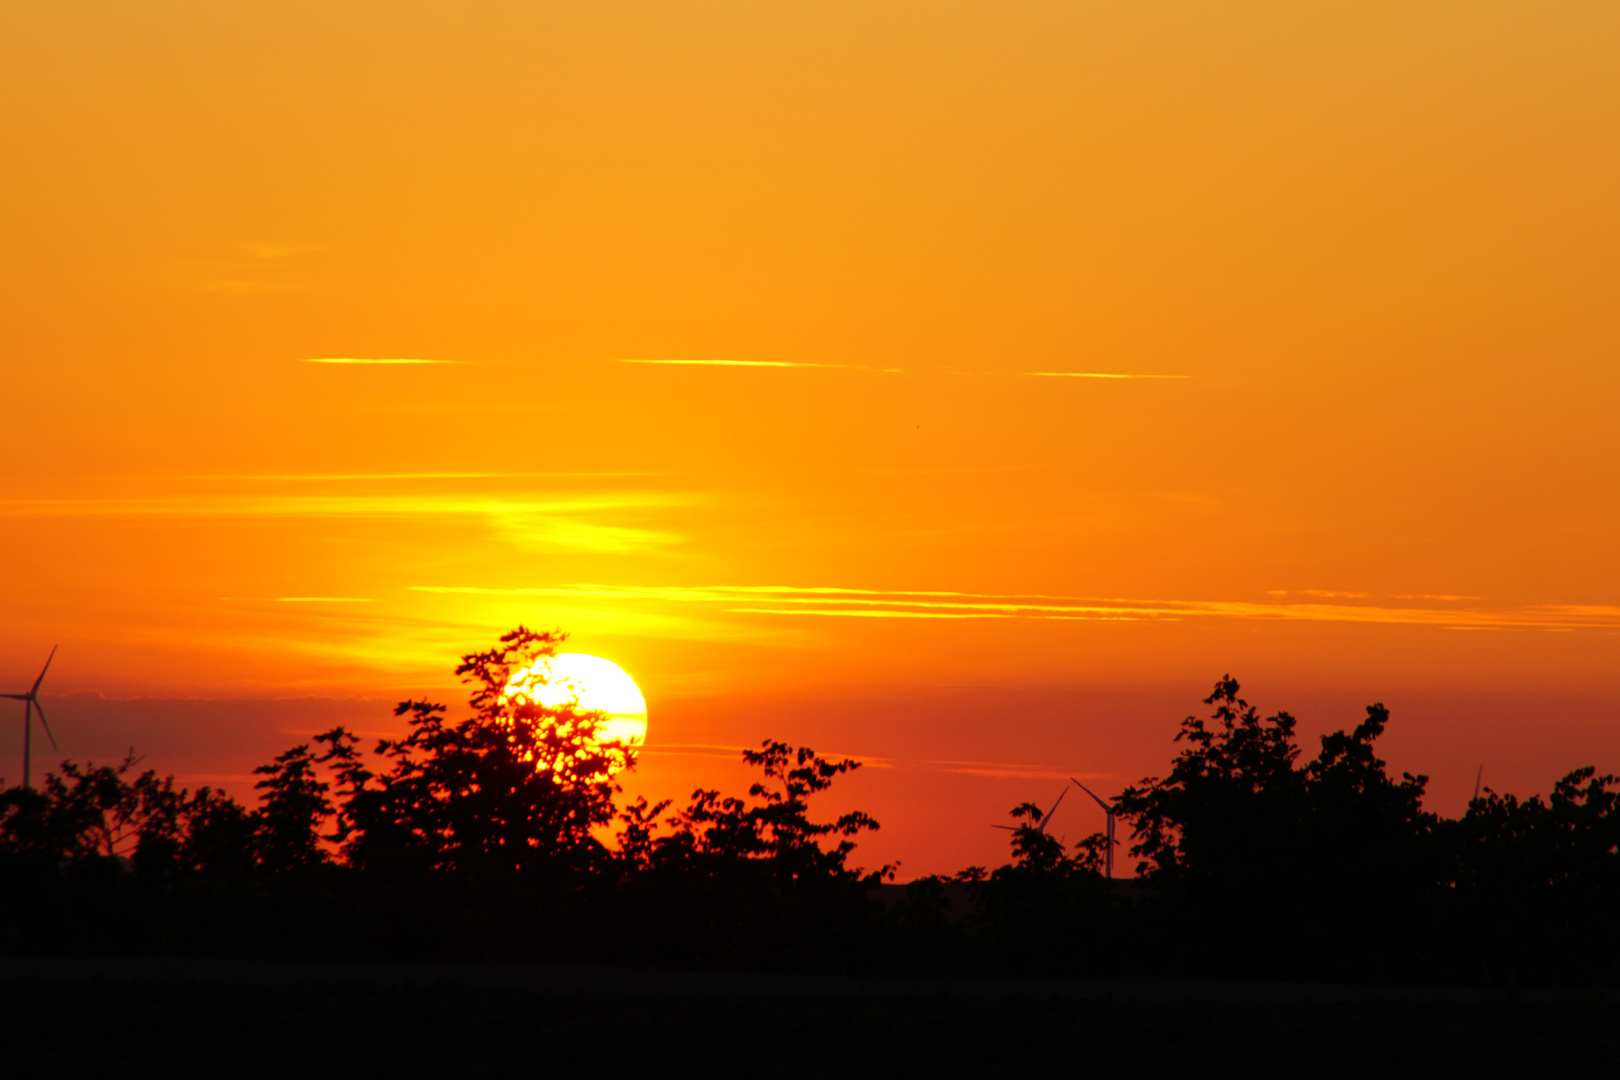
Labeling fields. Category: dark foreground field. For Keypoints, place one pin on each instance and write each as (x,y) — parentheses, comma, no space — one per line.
(270,1020)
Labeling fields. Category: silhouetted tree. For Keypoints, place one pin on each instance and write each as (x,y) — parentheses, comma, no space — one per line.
(485,837)
(31,835)
(91,812)
(775,830)
(751,879)
(515,787)
(1333,862)
(1236,815)
(293,806)
(1230,804)
(1047,909)
(1568,843)
(219,840)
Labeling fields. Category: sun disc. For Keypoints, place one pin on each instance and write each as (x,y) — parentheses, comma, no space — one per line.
(586,682)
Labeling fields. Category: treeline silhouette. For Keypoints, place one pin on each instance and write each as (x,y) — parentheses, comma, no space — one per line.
(500,836)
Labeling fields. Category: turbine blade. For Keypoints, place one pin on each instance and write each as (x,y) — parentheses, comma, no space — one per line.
(16,697)
(1009,828)
(46,724)
(44,669)
(1093,795)
(1047,820)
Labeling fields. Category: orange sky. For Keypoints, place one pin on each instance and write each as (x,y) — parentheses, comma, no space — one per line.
(1372,248)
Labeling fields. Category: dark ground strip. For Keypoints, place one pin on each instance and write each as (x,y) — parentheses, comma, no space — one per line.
(412,1020)
(563,980)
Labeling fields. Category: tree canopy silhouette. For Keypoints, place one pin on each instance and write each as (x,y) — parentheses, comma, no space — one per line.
(774,831)
(515,787)
(499,834)
(1237,816)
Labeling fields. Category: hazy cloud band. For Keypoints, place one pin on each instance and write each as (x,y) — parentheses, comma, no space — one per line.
(832,602)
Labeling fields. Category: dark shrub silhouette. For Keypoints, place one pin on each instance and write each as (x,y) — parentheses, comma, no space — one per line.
(732,879)
(293,807)
(1050,907)
(514,788)
(491,836)
(94,812)
(1297,865)
(1236,816)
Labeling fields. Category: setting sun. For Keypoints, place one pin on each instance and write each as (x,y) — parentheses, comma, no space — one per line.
(1114,501)
(960,386)
(588,683)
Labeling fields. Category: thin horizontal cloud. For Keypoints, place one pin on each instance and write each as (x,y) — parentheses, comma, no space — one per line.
(374,360)
(868,613)
(540,523)
(738,363)
(329,477)
(833,602)
(1098,375)
(297,599)
(1434,596)
(453,505)
(325,600)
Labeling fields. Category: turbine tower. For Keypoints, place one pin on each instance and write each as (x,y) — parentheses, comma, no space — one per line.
(31,705)
(1108,856)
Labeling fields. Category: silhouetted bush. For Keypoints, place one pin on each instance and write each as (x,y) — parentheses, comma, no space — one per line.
(516,788)
(499,836)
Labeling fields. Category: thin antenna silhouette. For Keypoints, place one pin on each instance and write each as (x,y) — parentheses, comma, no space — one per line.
(1108,810)
(1478,776)
(31,705)
(1045,821)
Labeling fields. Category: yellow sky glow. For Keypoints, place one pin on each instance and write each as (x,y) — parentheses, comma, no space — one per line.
(1357,263)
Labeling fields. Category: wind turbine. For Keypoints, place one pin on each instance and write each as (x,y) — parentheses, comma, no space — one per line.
(1108,857)
(31,705)
(1045,821)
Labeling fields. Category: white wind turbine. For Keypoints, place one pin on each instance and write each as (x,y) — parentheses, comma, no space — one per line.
(1108,810)
(31,705)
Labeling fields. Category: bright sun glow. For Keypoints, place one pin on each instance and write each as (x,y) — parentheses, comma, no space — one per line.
(589,683)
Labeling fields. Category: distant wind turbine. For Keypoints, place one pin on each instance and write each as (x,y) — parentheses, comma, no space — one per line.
(1108,857)
(1478,776)
(1045,820)
(31,705)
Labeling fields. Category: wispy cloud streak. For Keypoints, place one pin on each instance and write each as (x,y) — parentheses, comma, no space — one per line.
(369,360)
(1098,375)
(452,505)
(832,602)
(325,600)
(329,477)
(738,363)
(566,522)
